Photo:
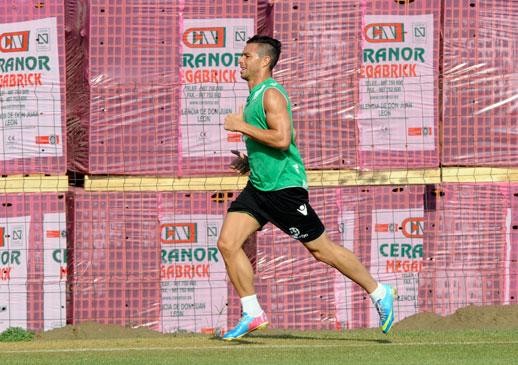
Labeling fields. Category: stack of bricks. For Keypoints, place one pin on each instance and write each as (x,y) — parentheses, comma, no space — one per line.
(146,85)
(322,68)
(33,267)
(114,258)
(384,227)
(33,270)
(148,259)
(317,67)
(469,248)
(123,86)
(151,83)
(398,111)
(32,88)
(479,83)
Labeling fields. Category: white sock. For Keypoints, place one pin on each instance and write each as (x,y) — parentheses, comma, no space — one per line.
(251,306)
(378,293)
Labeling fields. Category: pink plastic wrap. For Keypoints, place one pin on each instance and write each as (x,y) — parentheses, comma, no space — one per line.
(32,96)
(171,238)
(346,113)
(444,247)
(203,145)
(468,247)
(131,130)
(195,288)
(150,259)
(294,289)
(123,86)
(398,115)
(318,67)
(33,270)
(480,82)
(114,258)
(147,96)
(384,227)
(375,106)
(512,254)
(373,84)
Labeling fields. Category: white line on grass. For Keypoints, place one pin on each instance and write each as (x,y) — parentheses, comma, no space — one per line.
(237,346)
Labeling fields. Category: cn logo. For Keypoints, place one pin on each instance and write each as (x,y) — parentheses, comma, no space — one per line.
(174,233)
(385,32)
(204,37)
(413,227)
(14,42)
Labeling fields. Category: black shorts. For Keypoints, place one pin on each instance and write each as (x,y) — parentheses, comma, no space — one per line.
(288,209)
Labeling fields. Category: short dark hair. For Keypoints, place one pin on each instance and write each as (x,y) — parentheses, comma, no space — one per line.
(272,47)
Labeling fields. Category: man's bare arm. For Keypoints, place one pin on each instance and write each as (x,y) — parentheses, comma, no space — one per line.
(278,134)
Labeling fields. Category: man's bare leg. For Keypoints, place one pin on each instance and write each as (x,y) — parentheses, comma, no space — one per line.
(325,250)
(382,295)
(237,227)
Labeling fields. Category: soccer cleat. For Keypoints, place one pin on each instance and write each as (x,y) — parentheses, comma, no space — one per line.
(246,325)
(385,308)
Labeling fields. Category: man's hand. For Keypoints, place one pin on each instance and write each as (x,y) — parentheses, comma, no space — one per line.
(234,121)
(240,163)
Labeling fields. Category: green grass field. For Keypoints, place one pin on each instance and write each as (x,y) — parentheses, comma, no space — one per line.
(360,347)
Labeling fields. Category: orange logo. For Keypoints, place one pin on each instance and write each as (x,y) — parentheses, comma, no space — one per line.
(204,37)
(415,131)
(426,131)
(381,227)
(413,227)
(384,32)
(14,42)
(174,233)
(47,139)
(53,234)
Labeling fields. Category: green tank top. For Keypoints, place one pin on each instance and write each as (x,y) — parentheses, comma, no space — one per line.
(271,168)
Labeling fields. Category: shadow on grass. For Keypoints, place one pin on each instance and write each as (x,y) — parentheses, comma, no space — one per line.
(287,336)
(249,340)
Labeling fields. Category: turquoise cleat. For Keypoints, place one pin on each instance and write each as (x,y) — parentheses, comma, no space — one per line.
(385,308)
(246,325)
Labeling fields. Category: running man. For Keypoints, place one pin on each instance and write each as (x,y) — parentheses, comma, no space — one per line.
(277,192)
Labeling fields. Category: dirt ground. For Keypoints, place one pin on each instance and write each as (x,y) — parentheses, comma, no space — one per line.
(471,317)
(92,330)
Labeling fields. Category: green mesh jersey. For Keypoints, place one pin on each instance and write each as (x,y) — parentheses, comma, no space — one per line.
(271,168)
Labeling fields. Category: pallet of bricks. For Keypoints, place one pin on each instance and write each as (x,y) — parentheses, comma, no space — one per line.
(33,242)
(392,228)
(148,85)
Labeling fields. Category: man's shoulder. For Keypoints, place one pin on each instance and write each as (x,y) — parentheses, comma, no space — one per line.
(273,87)
(275,83)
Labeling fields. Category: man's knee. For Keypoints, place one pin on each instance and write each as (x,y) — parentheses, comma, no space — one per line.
(319,255)
(227,246)
(324,256)
(322,251)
